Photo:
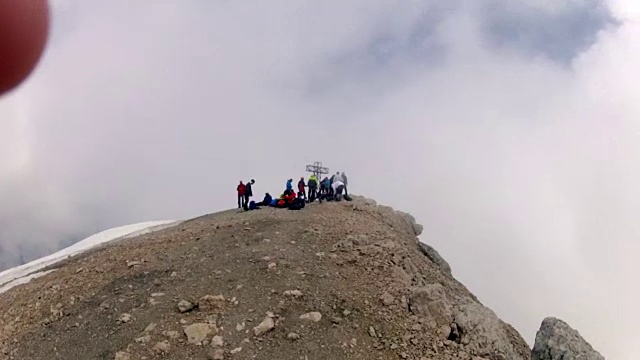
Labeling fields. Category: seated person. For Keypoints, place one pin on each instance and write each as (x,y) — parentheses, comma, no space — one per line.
(266,201)
(289,196)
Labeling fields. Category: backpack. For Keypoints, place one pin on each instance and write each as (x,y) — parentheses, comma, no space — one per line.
(297,204)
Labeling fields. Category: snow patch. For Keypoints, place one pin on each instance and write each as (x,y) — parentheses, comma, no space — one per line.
(24,273)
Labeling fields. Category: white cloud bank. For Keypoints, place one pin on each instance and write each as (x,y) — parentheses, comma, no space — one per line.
(522,168)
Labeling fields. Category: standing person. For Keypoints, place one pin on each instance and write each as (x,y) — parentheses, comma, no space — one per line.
(289,185)
(312,184)
(327,185)
(337,177)
(323,185)
(301,186)
(248,191)
(346,184)
(241,190)
(330,185)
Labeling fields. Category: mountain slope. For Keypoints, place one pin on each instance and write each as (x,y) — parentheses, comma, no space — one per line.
(341,280)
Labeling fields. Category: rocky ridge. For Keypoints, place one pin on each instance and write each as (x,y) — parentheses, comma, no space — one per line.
(345,280)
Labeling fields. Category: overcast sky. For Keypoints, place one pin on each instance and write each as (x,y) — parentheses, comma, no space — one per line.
(509,128)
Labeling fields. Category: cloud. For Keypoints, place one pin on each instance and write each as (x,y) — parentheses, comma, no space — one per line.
(512,141)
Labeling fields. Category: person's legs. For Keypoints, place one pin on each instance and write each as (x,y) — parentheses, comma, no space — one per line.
(246,200)
(240,201)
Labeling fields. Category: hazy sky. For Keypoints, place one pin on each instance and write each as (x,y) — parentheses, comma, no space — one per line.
(509,128)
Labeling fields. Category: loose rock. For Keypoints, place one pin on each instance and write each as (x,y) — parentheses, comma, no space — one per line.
(387,299)
(185,306)
(162,347)
(197,333)
(266,325)
(293,293)
(121,355)
(211,302)
(217,341)
(215,354)
(312,316)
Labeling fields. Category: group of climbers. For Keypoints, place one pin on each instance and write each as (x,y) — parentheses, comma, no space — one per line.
(330,189)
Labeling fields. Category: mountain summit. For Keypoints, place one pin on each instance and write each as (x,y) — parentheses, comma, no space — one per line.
(338,280)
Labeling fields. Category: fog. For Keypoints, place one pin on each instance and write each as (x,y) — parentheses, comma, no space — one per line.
(508,128)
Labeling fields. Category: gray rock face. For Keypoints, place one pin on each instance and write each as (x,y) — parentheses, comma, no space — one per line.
(556,340)
(417,228)
(468,323)
(433,255)
(484,334)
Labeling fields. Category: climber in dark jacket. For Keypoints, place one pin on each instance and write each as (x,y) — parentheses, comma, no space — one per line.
(266,201)
(248,192)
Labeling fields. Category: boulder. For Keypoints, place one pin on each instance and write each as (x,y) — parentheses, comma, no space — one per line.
(556,340)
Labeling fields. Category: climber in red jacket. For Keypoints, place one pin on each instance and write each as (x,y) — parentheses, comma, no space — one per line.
(241,189)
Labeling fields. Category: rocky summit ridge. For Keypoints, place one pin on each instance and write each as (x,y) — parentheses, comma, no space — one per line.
(338,280)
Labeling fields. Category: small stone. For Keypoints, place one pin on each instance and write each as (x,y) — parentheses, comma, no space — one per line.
(198,333)
(157,294)
(416,327)
(294,293)
(236,350)
(133,263)
(386,299)
(143,339)
(162,347)
(372,331)
(266,325)
(346,312)
(185,306)
(121,355)
(183,321)
(271,265)
(240,327)
(171,334)
(124,318)
(312,316)
(215,354)
(211,302)
(174,274)
(293,336)
(217,341)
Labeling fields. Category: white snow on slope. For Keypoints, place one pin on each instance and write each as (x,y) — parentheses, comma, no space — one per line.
(24,273)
